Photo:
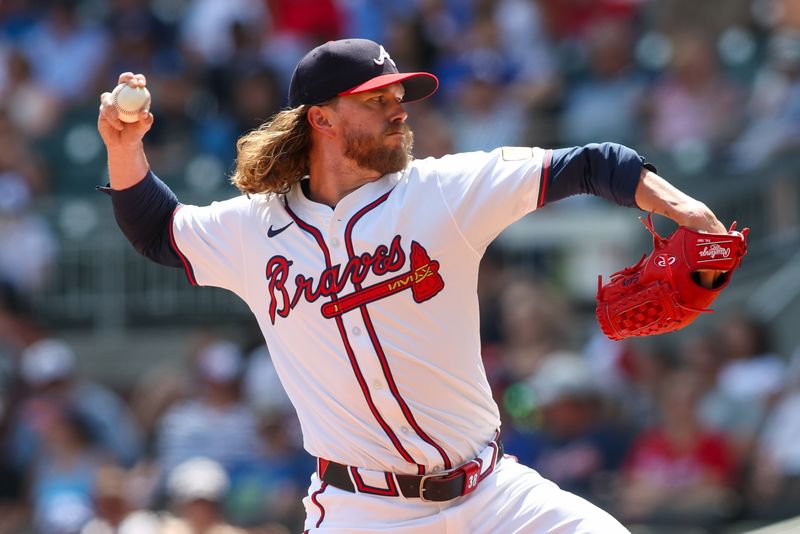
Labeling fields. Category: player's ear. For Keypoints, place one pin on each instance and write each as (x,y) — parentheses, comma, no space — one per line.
(320,120)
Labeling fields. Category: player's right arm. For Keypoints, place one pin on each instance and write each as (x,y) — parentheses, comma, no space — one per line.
(143,204)
(204,241)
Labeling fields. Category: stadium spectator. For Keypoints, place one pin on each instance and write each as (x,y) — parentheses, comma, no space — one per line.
(485,116)
(478,73)
(775,484)
(27,243)
(155,392)
(114,499)
(196,489)
(711,17)
(256,95)
(773,113)
(214,422)
(537,80)
(32,108)
(606,102)
(679,473)
(18,329)
(314,21)
(18,159)
(692,103)
(269,490)
(63,43)
(64,469)
(205,30)
(141,40)
(139,522)
(182,103)
(574,19)
(575,444)
(739,419)
(534,325)
(752,371)
(48,369)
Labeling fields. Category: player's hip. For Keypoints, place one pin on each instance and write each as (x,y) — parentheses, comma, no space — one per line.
(512,498)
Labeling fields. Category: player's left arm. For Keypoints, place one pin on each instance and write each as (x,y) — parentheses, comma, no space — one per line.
(486,192)
(617,173)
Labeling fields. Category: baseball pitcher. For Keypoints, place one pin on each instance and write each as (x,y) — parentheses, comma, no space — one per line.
(360,265)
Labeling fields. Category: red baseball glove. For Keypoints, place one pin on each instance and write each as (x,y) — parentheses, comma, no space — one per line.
(662,293)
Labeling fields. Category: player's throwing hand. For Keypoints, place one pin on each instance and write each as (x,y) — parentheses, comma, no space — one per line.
(118,134)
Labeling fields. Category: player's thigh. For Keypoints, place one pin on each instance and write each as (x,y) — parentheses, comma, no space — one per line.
(333,511)
(517,500)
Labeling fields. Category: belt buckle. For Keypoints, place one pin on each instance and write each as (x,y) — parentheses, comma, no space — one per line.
(422,486)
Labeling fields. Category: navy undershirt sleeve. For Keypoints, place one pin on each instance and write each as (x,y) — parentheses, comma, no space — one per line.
(607,170)
(144,214)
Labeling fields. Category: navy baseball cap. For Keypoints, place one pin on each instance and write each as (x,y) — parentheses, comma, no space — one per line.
(351,66)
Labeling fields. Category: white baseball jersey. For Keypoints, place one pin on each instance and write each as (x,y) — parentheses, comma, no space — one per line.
(370,309)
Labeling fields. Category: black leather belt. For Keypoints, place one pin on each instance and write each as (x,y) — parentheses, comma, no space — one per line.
(436,487)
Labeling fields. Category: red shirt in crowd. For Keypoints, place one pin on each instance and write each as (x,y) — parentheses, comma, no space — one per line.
(656,459)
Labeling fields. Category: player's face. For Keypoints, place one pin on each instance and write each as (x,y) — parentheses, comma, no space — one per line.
(374,130)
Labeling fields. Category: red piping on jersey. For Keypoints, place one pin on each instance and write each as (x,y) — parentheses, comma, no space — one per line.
(187,266)
(389,491)
(315,501)
(387,372)
(315,233)
(545,175)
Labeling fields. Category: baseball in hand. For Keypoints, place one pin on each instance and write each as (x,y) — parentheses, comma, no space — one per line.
(130,101)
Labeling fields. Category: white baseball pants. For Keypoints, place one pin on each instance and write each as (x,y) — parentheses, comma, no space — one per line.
(514,499)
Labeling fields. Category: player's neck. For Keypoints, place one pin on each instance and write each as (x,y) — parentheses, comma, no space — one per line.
(331,181)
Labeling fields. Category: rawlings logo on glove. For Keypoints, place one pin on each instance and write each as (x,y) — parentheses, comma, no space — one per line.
(662,292)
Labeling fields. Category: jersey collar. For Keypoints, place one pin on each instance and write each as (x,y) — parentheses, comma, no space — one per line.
(351,203)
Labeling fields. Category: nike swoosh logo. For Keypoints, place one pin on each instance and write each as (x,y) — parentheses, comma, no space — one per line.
(273,233)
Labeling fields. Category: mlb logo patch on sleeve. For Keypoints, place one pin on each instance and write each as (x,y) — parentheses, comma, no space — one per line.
(517,153)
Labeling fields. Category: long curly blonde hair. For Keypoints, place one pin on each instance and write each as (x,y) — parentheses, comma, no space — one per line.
(271,158)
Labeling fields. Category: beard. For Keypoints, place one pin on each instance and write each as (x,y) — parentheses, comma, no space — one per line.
(371,152)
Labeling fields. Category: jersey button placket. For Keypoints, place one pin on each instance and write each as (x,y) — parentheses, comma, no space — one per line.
(332,229)
(362,343)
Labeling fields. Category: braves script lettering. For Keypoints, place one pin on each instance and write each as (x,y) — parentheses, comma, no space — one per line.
(332,280)
(715,250)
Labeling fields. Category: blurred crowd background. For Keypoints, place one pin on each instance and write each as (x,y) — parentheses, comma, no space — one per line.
(132,403)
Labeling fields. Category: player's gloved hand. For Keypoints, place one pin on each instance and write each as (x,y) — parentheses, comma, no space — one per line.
(664,291)
(696,216)
(115,133)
